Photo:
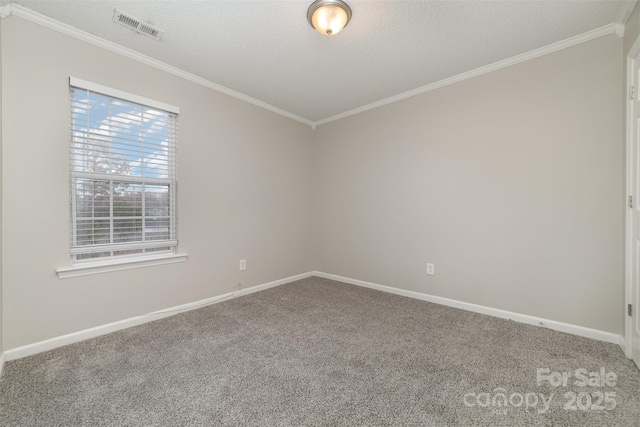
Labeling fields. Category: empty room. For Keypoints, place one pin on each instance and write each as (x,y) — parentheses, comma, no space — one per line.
(319,213)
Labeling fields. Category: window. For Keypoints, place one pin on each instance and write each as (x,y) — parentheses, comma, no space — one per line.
(123,174)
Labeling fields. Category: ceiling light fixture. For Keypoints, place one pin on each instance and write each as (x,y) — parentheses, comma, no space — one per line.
(329,17)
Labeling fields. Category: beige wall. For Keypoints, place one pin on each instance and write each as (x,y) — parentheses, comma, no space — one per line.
(631,33)
(1,173)
(509,182)
(631,30)
(244,191)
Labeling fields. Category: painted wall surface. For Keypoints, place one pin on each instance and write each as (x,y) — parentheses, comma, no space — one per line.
(511,183)
(631,33)
(1,275)
(631,30)
(244,191)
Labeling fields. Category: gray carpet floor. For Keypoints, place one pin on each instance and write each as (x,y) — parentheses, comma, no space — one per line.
(319,352)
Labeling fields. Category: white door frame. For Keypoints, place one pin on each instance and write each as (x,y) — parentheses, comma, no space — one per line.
(630,158)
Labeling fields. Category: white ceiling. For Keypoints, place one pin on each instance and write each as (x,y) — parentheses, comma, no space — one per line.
(268,51)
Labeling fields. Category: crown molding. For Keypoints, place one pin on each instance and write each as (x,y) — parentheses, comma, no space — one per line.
(554,47)
(623,16)
(5,11)
(615,28)
(45,21)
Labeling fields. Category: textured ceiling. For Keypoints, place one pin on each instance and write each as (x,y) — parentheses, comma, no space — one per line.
(268,51)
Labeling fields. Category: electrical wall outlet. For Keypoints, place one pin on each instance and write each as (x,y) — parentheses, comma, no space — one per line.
(243,264)
(431,269)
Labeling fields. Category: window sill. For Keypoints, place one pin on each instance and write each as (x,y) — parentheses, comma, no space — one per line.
(117,265)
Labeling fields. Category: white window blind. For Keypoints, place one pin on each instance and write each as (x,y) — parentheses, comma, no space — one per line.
(123,174)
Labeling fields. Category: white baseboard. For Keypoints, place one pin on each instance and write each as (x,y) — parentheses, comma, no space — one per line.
(50,344)
(2,359)
(623,345)
(495,312)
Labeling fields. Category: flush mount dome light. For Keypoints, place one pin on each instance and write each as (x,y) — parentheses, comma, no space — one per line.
(329,17)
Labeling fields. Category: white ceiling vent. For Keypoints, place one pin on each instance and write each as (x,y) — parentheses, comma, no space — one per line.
(137,25)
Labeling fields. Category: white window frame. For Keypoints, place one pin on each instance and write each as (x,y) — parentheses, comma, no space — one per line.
(114,263)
